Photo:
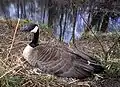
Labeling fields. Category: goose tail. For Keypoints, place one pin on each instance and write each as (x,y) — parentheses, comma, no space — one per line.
(97,68)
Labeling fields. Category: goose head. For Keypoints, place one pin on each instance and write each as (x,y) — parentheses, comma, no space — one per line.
(30,28)
(34,29)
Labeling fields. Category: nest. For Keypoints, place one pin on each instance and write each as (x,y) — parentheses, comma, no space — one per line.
(16,72)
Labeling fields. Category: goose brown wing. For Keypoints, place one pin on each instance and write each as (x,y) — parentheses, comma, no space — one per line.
(64,63)
(52,59)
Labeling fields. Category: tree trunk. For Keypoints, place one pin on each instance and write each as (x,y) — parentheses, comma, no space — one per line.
(64,28)
(74,23)
(105,22)
(18,5)
(96,20)
(87,29)
(51,13)
(24,10)
(21,6)
(44,11)
(60,23)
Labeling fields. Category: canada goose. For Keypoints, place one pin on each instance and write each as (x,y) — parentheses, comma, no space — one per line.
(57,59)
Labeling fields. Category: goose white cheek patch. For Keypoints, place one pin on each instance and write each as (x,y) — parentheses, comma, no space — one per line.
(35,29)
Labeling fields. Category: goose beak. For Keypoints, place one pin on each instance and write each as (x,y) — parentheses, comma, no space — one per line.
(24,30)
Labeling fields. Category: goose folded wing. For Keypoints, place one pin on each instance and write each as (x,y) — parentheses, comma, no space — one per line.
(64,63)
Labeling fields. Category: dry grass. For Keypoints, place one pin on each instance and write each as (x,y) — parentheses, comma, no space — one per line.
(16,72)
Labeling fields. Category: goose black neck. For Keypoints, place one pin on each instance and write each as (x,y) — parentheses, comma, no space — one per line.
(34,42)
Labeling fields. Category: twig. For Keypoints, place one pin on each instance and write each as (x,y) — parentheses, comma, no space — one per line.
(13,38)
(73,81)
(89,27)
(27,83)
(4,64)
(109,51)
(10,71)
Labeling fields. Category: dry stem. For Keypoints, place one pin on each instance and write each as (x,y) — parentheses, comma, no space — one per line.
(16,28)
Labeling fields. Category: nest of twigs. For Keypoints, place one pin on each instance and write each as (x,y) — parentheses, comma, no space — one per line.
(16,72)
